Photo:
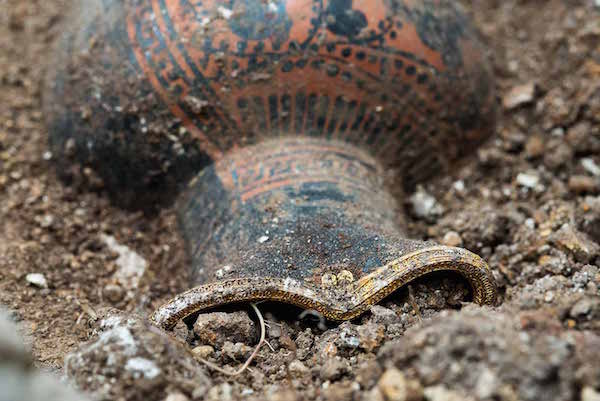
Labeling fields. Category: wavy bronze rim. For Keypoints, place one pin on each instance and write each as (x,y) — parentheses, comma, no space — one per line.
(365,292)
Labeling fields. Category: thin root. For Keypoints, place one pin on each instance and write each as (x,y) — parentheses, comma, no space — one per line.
(254,353)
(413,302)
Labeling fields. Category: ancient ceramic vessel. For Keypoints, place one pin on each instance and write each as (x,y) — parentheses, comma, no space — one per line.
(290,129)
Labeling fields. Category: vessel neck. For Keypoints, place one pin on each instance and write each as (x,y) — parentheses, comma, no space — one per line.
(301,206)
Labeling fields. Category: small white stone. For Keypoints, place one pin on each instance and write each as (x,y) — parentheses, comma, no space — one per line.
(519,95)
(263,239)
(225,12)
(588,393)
(530,223)
(459,186)
(37,279)
(131,265)
(528,180)
(425,205)
(590,166)
(176,397)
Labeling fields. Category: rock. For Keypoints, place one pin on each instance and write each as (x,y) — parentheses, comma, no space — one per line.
(452,238)
(534,147)
(203,351)
(373,395)
(341,391)
(368,373)
(304,343)
(442,393)
(424,205)
(590,166)
(282,395)
(142,357)
(519,95)
(176,397)
(220,392)
(297,369)
(237,351)
(18,380)
(576,243)
(528,180)
(348,336)
(114,293)
(131,265)
(584,308)
(583,184)
(441,350)
(480,225)
(370,336)
(487,385)
(588,393)
(396,387)
(218,327)
(383,315)
(37,280)
(558,153)
(333,368)
(11,345)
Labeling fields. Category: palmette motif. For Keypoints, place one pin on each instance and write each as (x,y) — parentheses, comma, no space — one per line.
(293,112)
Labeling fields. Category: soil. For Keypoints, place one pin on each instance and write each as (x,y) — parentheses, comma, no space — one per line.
(528,203)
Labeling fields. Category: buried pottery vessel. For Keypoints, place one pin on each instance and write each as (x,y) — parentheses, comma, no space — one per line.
(288,130)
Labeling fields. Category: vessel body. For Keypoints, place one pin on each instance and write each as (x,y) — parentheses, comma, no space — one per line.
(287,130)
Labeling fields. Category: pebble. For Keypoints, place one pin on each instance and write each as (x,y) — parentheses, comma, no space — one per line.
(590,166)
(576,243)
(488,384)
(534,147)
(131,265)
(519,95)
(218,327)
(528,180)
(442,393)
(237,351)
(394,386)
(583,184)
(583,307)
(282,395)
(557,154)
(588,393)
(220,392)
(333,369)
(459,186)
(203,351)
(297,369)
(425,205)
(370,336)
(113,292)
(383,315)
(18,380)
(367,373)
(176,397)
(342,391)
(452,238)
(37,279)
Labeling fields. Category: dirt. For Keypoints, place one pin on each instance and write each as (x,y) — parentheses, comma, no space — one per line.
(528,202)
